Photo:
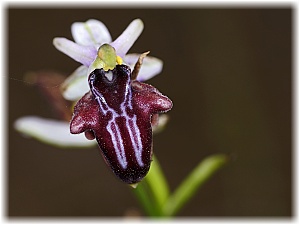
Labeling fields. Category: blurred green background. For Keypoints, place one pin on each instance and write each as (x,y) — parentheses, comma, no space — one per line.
(229,74)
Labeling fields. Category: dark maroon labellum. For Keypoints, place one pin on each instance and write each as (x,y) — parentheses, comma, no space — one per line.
(118,112)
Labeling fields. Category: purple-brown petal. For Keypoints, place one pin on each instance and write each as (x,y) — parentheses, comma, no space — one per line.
(150,99)
(85,114)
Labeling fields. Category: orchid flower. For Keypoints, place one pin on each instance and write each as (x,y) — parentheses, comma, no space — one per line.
(88,37)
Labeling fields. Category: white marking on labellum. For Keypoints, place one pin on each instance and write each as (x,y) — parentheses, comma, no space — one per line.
(117,142)
(109,75)
(135,137)
(113,128)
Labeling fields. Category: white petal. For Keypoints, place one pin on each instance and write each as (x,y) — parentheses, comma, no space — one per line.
(124,42)
(76,85)
(83,54)
(90,33)
(151,66)
(52,132)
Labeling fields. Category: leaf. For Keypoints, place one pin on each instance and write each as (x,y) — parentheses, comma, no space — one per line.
(193,182)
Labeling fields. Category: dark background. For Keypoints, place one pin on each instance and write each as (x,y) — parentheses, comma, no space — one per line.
(229,74)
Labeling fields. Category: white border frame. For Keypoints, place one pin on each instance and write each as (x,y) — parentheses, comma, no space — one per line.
(156,3)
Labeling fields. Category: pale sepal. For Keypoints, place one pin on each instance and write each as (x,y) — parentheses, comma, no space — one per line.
(83,54)
(53,132)
(151,66)
(76,85)
(161,124)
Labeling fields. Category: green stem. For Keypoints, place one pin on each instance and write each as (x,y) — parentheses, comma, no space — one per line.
(190,185)
(158,183)
(153,191)
(149,206)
